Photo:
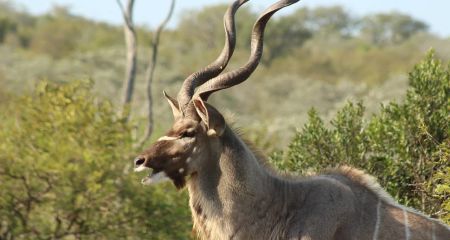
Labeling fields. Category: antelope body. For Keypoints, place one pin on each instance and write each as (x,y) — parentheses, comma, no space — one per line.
(233,195)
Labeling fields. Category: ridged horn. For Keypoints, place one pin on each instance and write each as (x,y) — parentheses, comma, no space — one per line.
(215,68)
(241,74)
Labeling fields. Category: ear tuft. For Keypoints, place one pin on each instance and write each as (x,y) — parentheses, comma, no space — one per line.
(211,133)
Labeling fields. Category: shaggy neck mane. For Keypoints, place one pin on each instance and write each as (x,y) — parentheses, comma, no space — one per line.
(230,181)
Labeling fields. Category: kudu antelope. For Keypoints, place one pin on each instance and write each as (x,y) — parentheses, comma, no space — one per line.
(234,196)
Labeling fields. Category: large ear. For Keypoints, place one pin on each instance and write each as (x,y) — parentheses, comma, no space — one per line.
(174,105)
(213,120)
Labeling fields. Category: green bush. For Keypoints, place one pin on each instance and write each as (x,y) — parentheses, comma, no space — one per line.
(65,172)
(406,145)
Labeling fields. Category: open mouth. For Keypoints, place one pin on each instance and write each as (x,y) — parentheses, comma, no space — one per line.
(155,176)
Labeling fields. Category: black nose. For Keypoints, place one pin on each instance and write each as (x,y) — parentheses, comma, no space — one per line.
(139,161)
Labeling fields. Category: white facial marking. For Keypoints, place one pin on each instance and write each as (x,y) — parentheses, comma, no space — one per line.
(407,230)
(140,168)
(167,138)
(211,132)
(377,225)
(181,170)
(188,159)
(194,150)
(156,178)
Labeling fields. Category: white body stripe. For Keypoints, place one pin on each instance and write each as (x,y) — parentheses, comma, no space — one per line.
(377,224)
(433,234)
(407,230)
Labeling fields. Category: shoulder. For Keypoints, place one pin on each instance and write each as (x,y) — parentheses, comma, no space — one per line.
(361,178)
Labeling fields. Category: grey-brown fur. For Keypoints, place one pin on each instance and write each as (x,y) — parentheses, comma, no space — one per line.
(237,198)
(234,196)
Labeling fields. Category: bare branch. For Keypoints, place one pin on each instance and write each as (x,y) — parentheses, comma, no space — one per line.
(122,10)
(131,60)
(151,69)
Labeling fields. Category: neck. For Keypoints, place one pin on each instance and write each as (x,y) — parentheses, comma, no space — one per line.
(232,180)
(232,172)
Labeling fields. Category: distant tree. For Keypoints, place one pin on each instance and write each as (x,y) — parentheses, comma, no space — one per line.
(61,11)
(293,30)
(205,26)
(15,25)
(286,33)
(131,59)
(388,28)
(327,21)
(149,73)
(57,34)
(6,26)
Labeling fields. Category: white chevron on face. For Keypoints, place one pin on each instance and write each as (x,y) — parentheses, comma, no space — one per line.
(167,138)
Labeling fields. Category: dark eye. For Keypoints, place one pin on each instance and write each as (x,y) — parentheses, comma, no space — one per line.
(188,134)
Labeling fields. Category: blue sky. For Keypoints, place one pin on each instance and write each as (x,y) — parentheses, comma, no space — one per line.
(434,12)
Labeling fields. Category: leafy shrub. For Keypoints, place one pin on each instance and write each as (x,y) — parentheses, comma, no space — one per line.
(64,171)
(406,145)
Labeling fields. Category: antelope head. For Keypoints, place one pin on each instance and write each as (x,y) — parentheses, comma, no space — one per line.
(196,135)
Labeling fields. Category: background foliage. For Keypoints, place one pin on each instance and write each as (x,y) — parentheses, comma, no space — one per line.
(406,145)
(65,155)
(65,172)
